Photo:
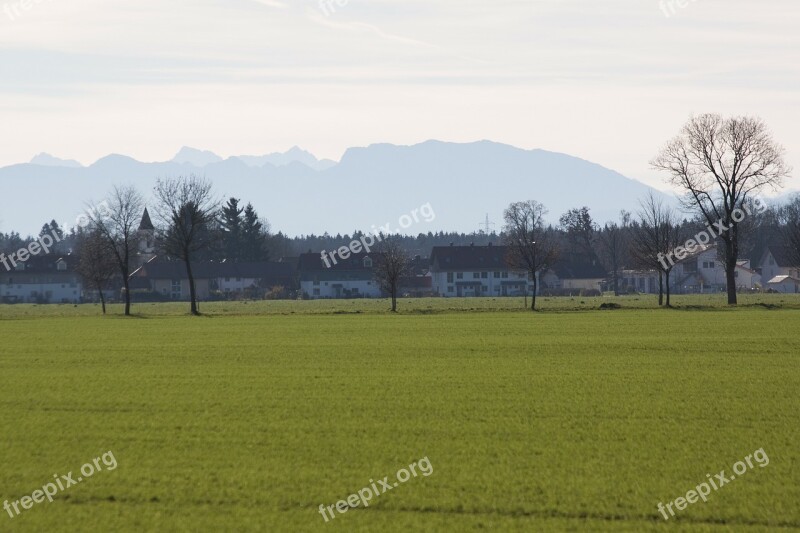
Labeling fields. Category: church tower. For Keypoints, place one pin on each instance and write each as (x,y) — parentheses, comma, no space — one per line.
(147,239)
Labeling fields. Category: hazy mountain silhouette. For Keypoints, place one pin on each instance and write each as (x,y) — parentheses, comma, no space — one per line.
(47,160)
(370,186)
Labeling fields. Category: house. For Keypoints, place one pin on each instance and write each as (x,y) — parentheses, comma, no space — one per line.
(784,284)
(700,272)
(703,272)
(776,261)
(42,279)
(643,281)
(168,279)
(573,274)
(459,271)
(347,278)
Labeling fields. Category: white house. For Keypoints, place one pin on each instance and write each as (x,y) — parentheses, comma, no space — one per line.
(784,284)
(698,273)
(346,278)
(704,272)
(42,279)
(459,271)
(776,261)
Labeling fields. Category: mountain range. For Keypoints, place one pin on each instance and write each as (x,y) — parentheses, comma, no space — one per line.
(370,186)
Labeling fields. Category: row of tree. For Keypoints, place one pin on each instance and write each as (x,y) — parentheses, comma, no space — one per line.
(721,166)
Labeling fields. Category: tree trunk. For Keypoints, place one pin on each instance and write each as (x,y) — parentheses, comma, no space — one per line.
(669,291)
(192,293)
(615,278)
(535,290)
(102,300)
(660,288)
(394,298)
(730,273)
(126,283)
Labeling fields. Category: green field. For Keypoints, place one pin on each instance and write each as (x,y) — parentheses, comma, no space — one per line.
(250,417)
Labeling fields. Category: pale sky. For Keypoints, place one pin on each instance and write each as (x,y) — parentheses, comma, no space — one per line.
(606,80)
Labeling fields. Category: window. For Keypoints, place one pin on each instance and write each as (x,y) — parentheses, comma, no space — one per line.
(450,289)
(227,279)
(484,275)
(316,292)
(505,274)
(367,262)
(460,275)
(496,275)
(450,277)
(176,285)
(711,264)
(476,275)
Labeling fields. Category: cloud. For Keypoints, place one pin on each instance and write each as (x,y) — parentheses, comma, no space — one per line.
(271,3)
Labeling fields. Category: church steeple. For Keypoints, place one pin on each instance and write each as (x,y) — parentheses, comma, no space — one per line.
(146,223)
(147,239)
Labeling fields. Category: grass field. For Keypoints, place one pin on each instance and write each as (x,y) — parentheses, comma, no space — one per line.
(249,418)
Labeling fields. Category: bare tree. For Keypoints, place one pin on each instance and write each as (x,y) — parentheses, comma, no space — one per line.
(392,264)
(187,211)
(613,243)
(118,226)
(96,263)
(720,164)
(655,236)
(532,246)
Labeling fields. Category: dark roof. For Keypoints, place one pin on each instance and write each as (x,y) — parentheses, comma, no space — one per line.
(146,223)
(312,262)
(782,255)
(42,263)
(469,257)
(576,266)
(208,269)
(417,282)
(40,269)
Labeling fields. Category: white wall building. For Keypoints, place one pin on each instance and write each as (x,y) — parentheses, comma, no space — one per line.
(41,280)
(347,278)
(461,271)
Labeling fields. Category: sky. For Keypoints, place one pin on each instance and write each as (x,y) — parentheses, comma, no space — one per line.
(605,80)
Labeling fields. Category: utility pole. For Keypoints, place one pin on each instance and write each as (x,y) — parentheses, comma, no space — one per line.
(486,226)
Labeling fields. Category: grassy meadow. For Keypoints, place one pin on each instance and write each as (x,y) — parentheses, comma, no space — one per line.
(251,416)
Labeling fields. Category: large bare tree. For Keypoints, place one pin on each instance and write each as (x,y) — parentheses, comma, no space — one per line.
(392,264)
(118,226)
(96,263)
(188,212)
(721,163)
(532,245)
